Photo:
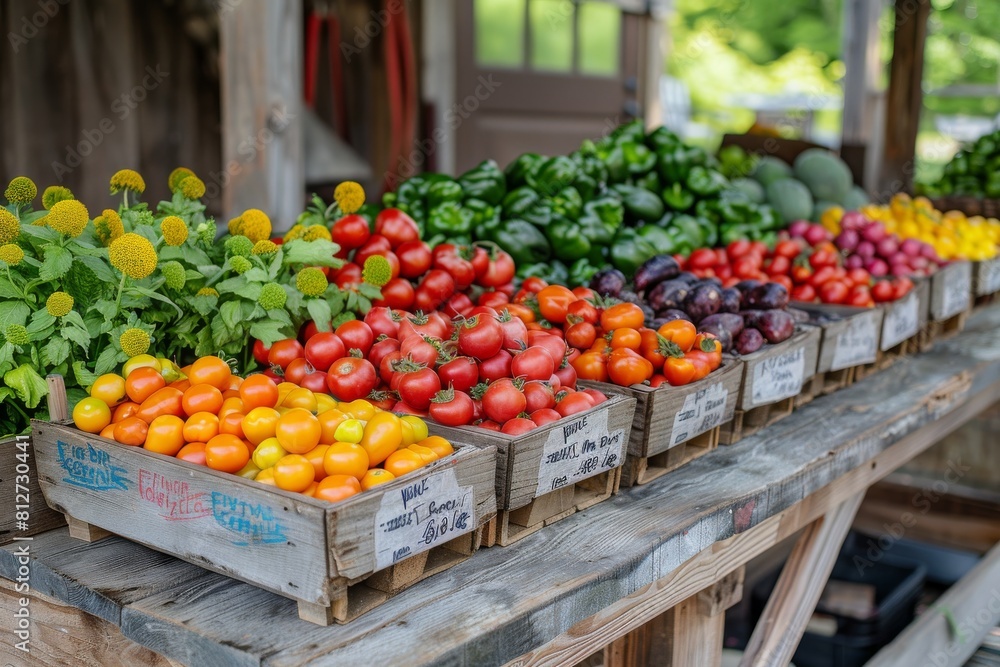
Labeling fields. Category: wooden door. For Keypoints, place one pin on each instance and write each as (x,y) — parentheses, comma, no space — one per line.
(540,76)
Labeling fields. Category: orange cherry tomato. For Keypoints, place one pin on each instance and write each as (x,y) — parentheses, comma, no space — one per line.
(259,424)
(232,424)
(131,431)
(166,401)
(316,455)
(376,476)
(110,388)
(235,382)
(627,367)
(625,337)
(346,458)
(678,371)
(680,332)
(202,398)
(554,301)
(183,384)
(383,435)
(294,472)
(527,315)
(702,363)
(621,316)
(193,452)
(298,431)
(329,420)
(427,454)
(233,404)
(108,431)
(591,366)
(210,370)
(335,488)
(142,383)
(226,453)
(165,435)
(266,476)
(124,411)
(201,427)
(438,445)
(91,415)
(258,391)
(404,461)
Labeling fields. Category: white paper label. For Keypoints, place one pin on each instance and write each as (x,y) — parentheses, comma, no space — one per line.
(902,321)
(989,277)
(957,290)
(857,344)
(578,450)
(702,411)
(423,514)
(779,377)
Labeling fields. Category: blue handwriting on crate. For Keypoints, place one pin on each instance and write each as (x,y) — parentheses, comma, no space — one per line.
(252,521)
(91,468)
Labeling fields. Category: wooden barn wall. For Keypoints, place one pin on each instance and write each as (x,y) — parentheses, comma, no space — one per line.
(88,87)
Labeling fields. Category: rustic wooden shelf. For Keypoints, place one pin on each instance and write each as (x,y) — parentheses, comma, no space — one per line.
(572,587)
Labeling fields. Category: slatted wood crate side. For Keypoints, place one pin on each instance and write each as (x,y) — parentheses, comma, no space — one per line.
(833,331)
(943,306)
(269,538)
(807,338)
(642,470)
(15,492)
(747,422)
(656,410)
(351,523)
(890,341)
(986,277)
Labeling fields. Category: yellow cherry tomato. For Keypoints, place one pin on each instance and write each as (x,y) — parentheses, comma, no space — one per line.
(350,430)
(91,415)
(298,430)
(325,402)
(329,420)
(249,471)
(266,476)
(283,390)
(300,397)
(438,445)
(426,453)
(267,453)
(359,409)
(110,388)
(374,477)
(139,361)
(259,424)
(408,436)
(418,424)
(383,436)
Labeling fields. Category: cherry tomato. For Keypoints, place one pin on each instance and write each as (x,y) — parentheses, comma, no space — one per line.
(622,315)
(350,378)
(480,336)
(518,426)
(803,293)
(591,366)
(452,408)
(165,435)
(398,293)
(627,367)
(882,291)
(789,249)
(533,363)
(554,301)
(226,453)
(573,403)
(581,335)
(496,367)
(260,352)
(460,373)
(418,387)
(703,258)
(396,226)
(348,277)
(833,291)
(322,350)
(91,415)
(514,329)
(680,332)
(500,270)
(284,351)
(503,401)
(350,232)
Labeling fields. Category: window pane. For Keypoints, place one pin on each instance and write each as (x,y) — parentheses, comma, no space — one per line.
(551,35)
(499,32)
(599,34)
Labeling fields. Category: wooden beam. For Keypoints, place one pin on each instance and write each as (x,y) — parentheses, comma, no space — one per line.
(950,631)
(905,96)
(799,587)
(261,64)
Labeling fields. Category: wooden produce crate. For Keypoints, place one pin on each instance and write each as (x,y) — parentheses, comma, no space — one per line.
(950,300)
(23,511)
(336,560)
(772,377)
(849,339)
(969,205)
(555,470)
(675,425)
(903,324)
(985,281)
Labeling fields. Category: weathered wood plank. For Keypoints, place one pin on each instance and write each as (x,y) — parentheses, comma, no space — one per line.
(14,493)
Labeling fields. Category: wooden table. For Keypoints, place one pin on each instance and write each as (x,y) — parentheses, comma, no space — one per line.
(573,588)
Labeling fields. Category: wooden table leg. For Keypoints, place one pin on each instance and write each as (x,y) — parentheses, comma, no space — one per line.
(799,587)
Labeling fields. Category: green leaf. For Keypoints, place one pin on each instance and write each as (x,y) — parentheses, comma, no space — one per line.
(28,218)
(8,291)
(369,291)
(41,233)
(7,356)
(83,376)
(204,305)
(250,291)
(56,264)
(73,317)
(107,308)
(13,312)
(27,384)
(191,274)
(231,285)
(256,274)
(267,331)
(40,321)
(221,332)
(186,253)
(275,268)
(153,294)
(107,361)
(280,316)
(231,313)
(101,269)
(78,335)
(314,253)
(319,311)
(56,351)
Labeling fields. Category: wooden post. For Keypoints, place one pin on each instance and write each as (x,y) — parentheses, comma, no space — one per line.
(261,62)
(651,67)
(861,134)
(905,97)
(799,587)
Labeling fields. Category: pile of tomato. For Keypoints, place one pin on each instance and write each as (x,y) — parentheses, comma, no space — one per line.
(277,434)
(422,279)
(809,273)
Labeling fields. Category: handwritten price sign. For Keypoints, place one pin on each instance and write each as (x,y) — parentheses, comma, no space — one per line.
(779,377)
(858,343)
(989,277)
(421,515)
(957,290)
(902,321)
(581,449)
(702,411)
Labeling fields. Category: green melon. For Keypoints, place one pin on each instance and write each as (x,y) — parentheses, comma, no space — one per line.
(770,169)
(826,175)
(790,199)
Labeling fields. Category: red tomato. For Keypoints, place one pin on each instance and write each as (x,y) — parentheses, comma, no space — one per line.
(458,305)
(789,249)
(801,274)
(534,284)
(785,281)
(555,345)
(503,401)
(398,294)
(420,349)
(822,275)
(350,232)
(480,259)
(396,226)
(496,367)
(518,426)
(746,267)
(495,300)
(859,277)
(574,402)
(566,374)
(348,277)
(433,290)
(461,373)
(538,395)
(418,387)
(803,293)
(284,351)
(514,330)
(350,378)
(833,291)
(480,337)
(356,335)
(499,271)
(860,296)
(452,408)
(414,258)
(380,349)
(260,352)
(533,363)
(383,321)
(779,266)
(323,349)
(737,249)
(822,258)
(702,258)
(545,416)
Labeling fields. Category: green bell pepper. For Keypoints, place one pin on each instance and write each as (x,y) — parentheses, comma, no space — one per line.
(601,219)
(519,200)
(639,160)
(710,209)
(523,241)
(389,199)
(586,186)
(616,164)
(673,164)
(484,181)
(769,219)
(568,203)
(649,181)
(733,232)
(581,272)
(552,175)
(516,172)
(661,238)
(443,191)
(705,182)
(661,139)
(449,219)
(482,212)
(567,240)
(677,197)
(692,233)
(992,188)
(640,205)
(411,190)
(629,250)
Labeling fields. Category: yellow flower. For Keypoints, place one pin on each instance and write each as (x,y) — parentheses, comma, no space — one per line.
(376,271)
(192,187)
(108,226)
(310,281)
(296,232)
(17,334)
(316,232)
(134,342)
(133,255)
(21,190)
(234,226)
(175,230)
(68,217)
(173,274)
(255,225)
(240,264)
(58,304)
(127,179)
(176,176)
(207,291)
(12,254)
(350,196)
(272,296)
(53,194)
(265,247)
(10,226)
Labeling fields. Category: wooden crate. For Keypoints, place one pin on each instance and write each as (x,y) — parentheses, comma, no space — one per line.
(985,281)
(555,470)
(674,425)
(747,422)
(951,291)
(336,560)
(23,512)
